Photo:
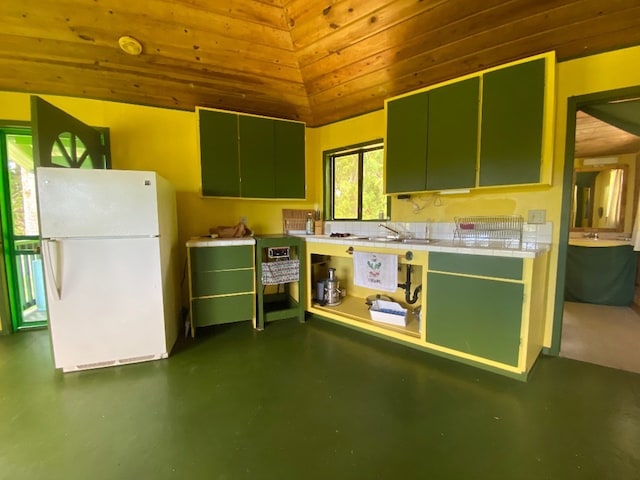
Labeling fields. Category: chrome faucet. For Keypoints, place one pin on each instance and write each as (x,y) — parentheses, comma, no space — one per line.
(395,232)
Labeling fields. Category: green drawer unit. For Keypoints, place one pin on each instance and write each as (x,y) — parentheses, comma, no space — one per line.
(221,282)
(481,265)
(477,316)
(218,310)
(221,258)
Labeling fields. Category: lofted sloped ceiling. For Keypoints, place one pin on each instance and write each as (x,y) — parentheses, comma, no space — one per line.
(315,61)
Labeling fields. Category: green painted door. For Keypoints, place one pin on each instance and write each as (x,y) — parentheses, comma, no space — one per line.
(220,169)
(512,117)
(477,316)
(406,144)
(53,139)
(289,159)
(452,140)
(257,157)
(60,140)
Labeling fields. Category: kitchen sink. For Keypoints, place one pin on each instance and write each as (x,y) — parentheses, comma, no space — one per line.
(411,241)
(383,239)
(418,241)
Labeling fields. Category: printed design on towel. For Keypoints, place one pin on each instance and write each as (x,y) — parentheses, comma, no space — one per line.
(374,269)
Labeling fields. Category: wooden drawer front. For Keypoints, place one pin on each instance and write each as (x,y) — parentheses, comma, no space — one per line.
(221,282)
(213,311)
(481,265)
(221,258)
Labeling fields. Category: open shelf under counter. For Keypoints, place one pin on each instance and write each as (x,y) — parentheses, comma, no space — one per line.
(354,311)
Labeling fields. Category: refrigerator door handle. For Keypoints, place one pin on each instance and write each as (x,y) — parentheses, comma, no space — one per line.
(47,246)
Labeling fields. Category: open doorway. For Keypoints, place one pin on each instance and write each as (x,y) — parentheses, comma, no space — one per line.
(600,323)
(20,231)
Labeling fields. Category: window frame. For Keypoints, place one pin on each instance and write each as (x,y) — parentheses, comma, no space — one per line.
(329,184)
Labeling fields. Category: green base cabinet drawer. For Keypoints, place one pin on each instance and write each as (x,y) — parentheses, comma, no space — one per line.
(221,258)
(221,282)
(480,265)
(213,311)
(476,316)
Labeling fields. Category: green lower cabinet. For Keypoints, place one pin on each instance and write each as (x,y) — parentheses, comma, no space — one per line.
(204,259)
(221,284)
(218,310)
(478,265)
(477,316)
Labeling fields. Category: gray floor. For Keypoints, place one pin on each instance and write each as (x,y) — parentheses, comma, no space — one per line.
(601,334)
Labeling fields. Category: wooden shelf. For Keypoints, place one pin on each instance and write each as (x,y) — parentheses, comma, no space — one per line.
(355,308)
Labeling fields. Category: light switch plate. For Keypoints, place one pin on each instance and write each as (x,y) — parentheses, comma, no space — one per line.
(537,216)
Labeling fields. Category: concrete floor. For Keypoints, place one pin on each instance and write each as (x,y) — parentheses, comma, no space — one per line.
(601,334)
(310,401)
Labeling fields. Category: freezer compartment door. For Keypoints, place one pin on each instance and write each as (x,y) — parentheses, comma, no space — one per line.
(105,301)
(96,203)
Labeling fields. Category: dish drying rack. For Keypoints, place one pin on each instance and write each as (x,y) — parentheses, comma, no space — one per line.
(507,228)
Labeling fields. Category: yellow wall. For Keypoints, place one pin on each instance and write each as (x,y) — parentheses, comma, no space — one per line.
(166,141)
(163,140)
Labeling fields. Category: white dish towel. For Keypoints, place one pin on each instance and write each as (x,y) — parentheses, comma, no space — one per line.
(378,271)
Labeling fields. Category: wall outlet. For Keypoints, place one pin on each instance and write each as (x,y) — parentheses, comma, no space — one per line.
(537,216)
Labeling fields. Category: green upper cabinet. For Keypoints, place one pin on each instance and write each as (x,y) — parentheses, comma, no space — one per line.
(249,156)
(490,129)
(512,123)
(219,153)
(452,137)
(406,147)
(257,157)
(432,139)
(289,156)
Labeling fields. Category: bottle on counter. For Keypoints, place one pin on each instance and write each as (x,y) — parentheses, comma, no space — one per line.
(309,227)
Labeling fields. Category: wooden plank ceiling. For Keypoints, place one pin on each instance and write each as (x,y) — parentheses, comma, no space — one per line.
(315,61)
(595,138)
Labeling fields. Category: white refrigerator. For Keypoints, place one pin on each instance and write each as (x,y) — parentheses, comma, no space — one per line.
(109,240)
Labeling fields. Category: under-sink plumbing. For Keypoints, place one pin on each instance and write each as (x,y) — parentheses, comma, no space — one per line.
(407,288)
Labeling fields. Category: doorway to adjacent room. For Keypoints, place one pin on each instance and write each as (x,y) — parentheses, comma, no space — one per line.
(602,329)
(20,231)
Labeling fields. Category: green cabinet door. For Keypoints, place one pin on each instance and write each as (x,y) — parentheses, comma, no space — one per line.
(289,159)
(257,157)
(512,119)
(219,153)
(406,148)
(452,139)
(251,157)
(477,316)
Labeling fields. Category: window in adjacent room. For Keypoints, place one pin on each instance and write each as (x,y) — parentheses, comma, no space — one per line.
(353,183)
